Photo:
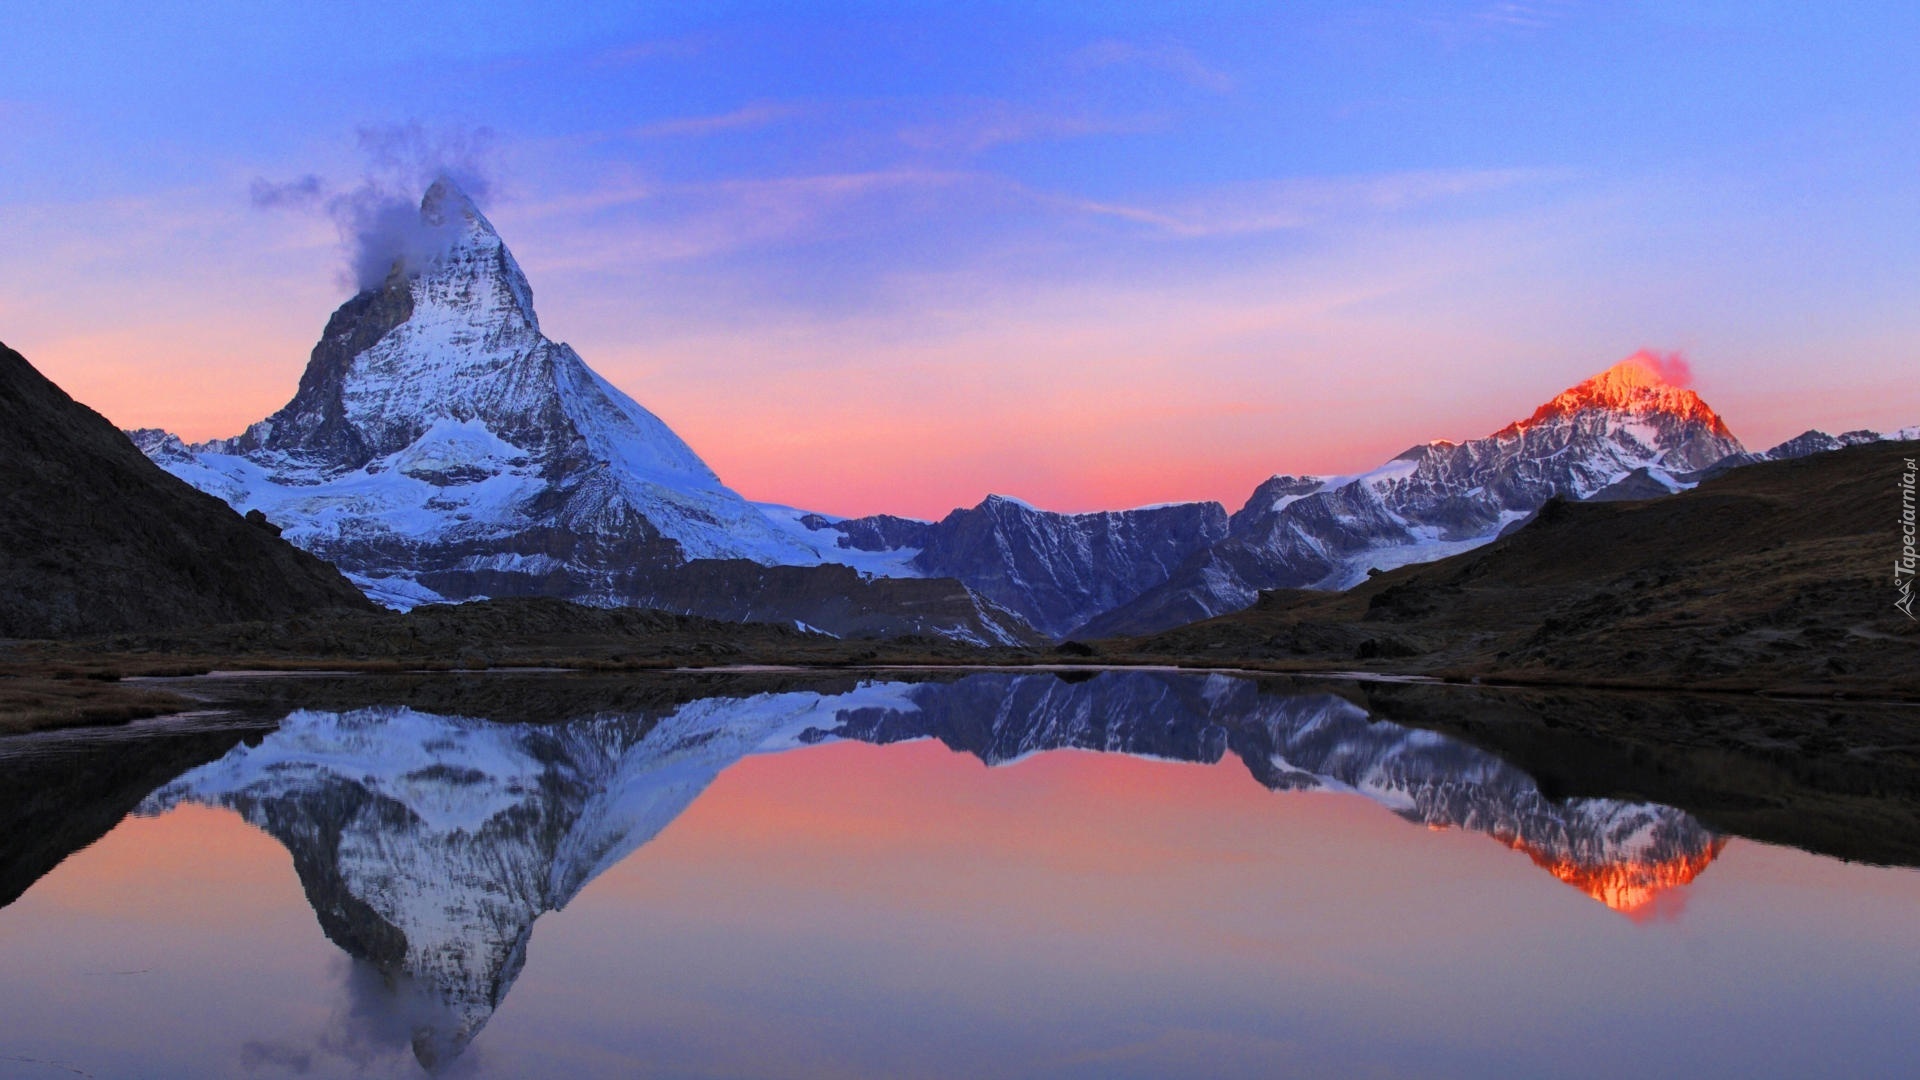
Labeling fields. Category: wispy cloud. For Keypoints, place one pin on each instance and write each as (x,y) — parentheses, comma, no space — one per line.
(1523,14)
(378,219)
(638,224)
(1176,60)
(1482,20)
(994,123)
(1294,204)
(757,115)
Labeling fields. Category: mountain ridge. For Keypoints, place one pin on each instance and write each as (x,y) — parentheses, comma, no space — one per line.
(441,448)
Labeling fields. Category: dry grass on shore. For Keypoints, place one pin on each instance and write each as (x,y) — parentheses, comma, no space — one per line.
(71,698)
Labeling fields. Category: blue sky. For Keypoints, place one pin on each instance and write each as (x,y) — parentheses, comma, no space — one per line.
(894,256)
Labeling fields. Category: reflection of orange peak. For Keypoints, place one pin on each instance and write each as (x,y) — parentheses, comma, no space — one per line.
(1632,385)
(1629,884)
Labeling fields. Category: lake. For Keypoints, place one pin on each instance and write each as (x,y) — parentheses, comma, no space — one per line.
(1113,874)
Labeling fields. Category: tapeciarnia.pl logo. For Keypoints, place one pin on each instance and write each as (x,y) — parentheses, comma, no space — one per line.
(1903,567)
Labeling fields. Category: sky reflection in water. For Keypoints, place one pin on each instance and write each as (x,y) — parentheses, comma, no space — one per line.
(807,884)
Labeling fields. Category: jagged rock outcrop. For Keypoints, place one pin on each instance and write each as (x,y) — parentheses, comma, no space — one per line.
(1053,570)
(1059,570)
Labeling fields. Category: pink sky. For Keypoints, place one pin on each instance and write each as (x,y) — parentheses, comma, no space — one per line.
(1094,434)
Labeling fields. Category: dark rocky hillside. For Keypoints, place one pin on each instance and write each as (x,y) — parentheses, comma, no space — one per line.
(96,538)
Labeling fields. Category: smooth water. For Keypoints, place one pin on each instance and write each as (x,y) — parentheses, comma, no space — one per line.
(1128,875)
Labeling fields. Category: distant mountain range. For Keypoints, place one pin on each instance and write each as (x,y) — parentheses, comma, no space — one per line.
(440,447)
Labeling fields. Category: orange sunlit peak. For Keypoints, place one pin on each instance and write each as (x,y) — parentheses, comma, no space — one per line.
(1627,885)
(1646,381)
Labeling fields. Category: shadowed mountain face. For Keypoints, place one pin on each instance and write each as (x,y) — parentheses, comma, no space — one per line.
(95,538)
(1053,570)
(430,844)
(1059,570)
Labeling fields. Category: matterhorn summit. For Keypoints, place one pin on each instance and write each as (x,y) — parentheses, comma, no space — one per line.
(440,446)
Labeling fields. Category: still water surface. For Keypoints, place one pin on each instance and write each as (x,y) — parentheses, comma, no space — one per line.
(1129,875)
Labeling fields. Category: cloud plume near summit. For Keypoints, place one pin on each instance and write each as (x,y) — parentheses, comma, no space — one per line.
(1671,367)
(378,219)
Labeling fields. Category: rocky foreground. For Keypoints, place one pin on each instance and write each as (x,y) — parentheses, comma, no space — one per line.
(94,537)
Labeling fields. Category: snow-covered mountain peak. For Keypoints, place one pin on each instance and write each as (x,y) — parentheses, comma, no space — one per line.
(451,335)
(1440,498)
(445,202)
(441,446)
(1279,490)
(1637,386)
(473,272)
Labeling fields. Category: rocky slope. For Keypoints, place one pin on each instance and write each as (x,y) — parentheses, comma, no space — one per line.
(1646,483)
(94,537)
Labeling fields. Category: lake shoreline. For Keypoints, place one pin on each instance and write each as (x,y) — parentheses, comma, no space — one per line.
(1838,777)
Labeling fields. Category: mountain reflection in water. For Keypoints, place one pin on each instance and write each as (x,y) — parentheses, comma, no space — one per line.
(428,845)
